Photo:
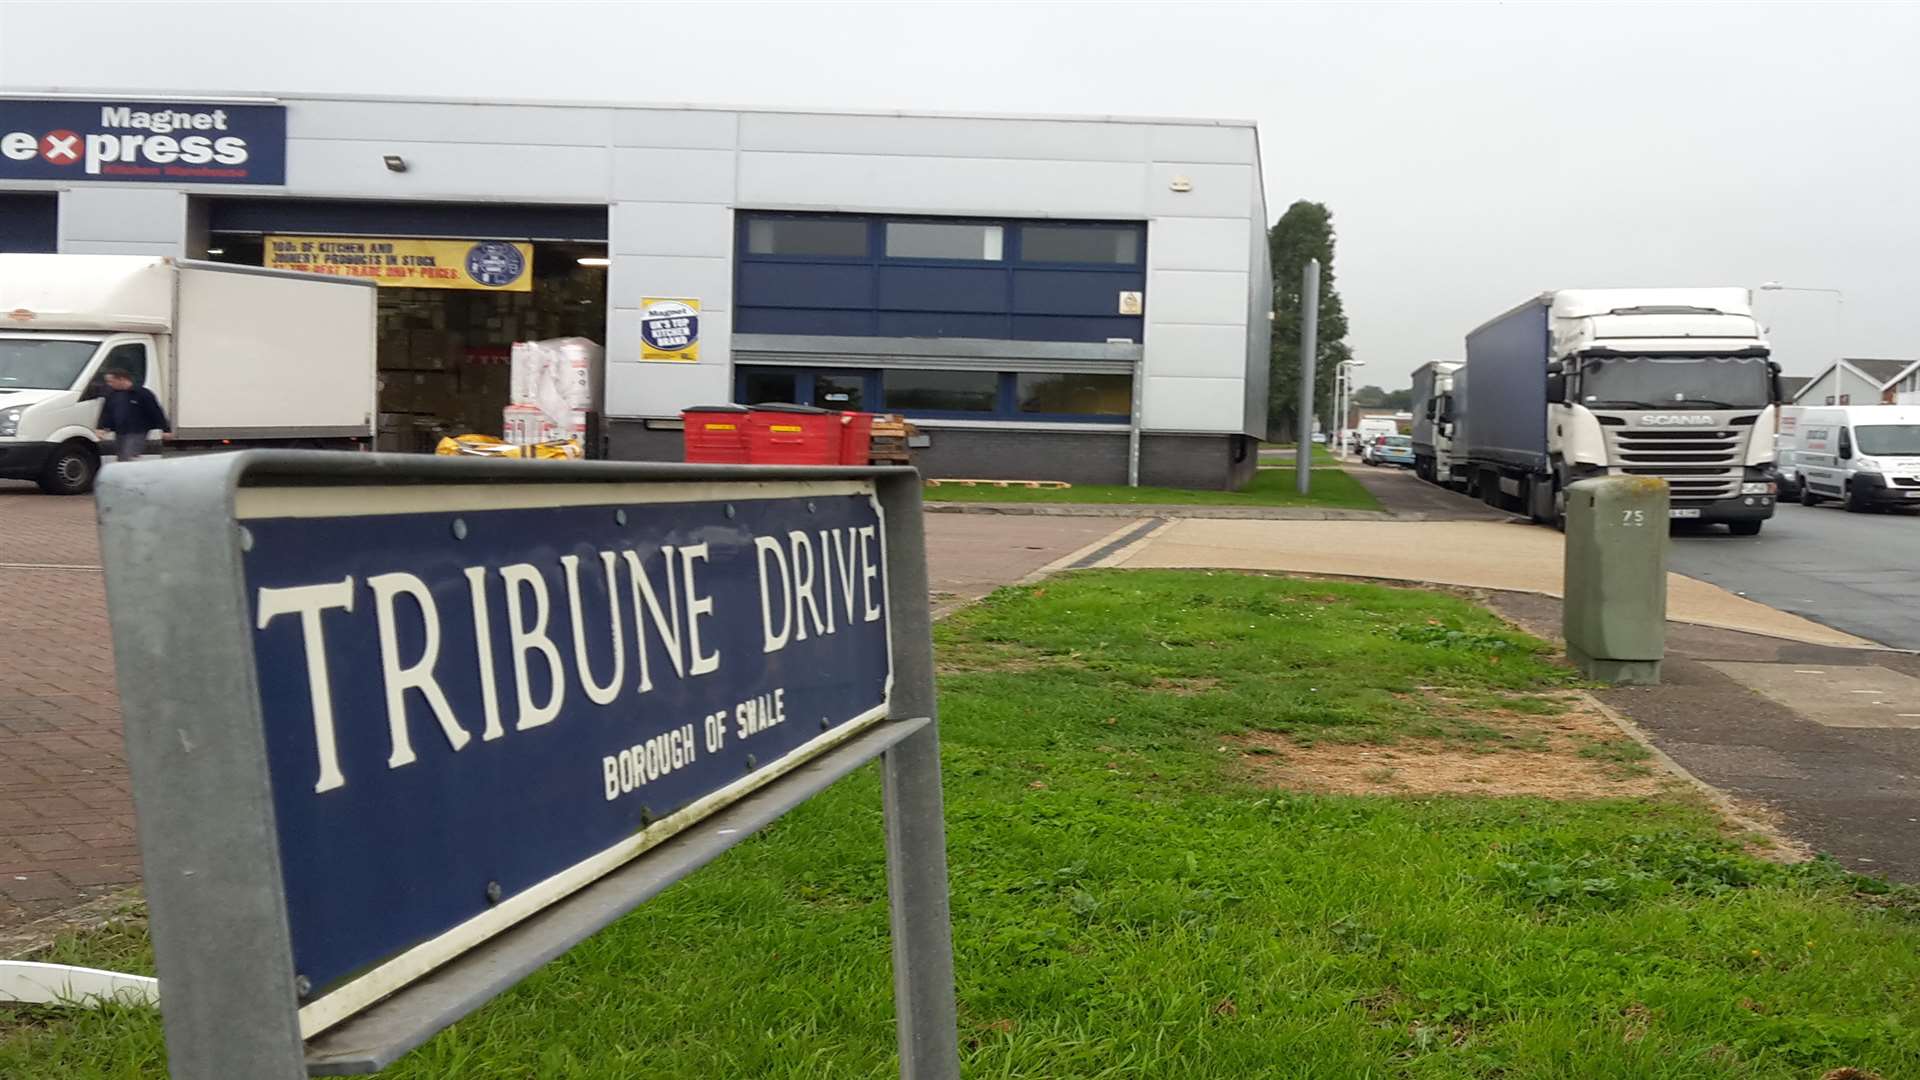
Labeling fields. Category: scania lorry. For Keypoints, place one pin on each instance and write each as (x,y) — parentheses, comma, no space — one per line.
(1673,383)
(1433,457)
(237,355)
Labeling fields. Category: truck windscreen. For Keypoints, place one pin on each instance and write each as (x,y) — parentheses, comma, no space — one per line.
(27,364)
(1665,382)
(1888,440)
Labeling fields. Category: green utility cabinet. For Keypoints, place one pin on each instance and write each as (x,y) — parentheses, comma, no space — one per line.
(1615,616)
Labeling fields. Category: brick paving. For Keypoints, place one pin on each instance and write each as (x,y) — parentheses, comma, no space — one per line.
(66,818)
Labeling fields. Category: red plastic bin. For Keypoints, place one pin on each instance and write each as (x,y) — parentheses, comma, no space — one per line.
(856,438)
(716,434)
(793,435)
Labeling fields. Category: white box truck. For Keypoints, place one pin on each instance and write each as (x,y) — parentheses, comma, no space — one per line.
(1673,383)
(1865,456)
(237,355)
(1433,457)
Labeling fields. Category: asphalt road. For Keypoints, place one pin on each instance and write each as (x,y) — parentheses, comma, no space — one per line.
(1854,572)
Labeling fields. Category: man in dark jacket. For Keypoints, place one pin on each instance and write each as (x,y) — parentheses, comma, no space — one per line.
(130,412)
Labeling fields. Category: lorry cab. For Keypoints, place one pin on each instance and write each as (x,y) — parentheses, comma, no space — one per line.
(51,388)
(1865,456)
(1433,420)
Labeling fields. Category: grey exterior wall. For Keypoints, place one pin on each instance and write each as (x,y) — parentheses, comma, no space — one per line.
(673,177)
(1076,456)
(1861,391)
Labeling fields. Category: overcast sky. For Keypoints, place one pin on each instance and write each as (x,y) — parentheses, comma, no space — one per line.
(1472,155)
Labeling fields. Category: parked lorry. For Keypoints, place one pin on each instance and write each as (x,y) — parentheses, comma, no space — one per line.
(1865,456)
(237,355)
(1433,457)
(1673,383)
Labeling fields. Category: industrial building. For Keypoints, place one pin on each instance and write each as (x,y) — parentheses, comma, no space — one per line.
(1044,297)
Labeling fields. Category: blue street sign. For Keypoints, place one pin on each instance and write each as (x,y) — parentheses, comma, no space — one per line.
(468,707)
(142,141)
(402,729)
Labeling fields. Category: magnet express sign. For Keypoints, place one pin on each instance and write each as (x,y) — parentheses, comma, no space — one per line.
(142,141)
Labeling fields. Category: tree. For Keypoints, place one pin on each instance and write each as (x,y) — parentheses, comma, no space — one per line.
(1304,232)
(1370,397)
(1399,399)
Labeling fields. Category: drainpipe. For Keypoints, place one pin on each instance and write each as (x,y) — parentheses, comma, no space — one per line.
(1133,423)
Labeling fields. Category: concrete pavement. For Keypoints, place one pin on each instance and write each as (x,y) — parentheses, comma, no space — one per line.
(1511,557)
(1407,496)
(970,556)
(1811,737)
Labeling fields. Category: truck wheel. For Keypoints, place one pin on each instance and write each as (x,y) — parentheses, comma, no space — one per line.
(1856,502)
(71,470)
(1745,528)
(1539,500)
(1807,497)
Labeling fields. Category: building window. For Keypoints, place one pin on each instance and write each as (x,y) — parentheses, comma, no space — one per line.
(759,386)
(850,275)
(943,240)
(1115,245)
(1062,394)
(942,391)
(840,390)
(833,237)
(130,358)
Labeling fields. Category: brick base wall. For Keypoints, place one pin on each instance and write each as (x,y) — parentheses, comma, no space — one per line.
(1216,462)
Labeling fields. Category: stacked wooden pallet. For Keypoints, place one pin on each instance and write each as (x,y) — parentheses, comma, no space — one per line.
(889,446)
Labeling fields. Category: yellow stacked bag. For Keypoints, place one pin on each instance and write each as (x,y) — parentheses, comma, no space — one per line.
(487,446)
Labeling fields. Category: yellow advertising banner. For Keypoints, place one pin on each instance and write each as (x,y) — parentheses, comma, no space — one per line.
(670,329)
(486,265)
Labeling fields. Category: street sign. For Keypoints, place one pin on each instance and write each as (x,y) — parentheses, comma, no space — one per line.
(403,729)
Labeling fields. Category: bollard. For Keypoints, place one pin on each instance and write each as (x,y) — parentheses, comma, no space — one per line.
(1615,615)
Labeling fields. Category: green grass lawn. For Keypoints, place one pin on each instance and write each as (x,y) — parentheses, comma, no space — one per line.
(1321,455)
(1331,489)
(1127,904)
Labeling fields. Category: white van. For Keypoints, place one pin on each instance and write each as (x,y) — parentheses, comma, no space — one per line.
(1867,456)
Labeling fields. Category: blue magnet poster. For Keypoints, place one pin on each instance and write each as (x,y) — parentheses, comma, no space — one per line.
(476,701)
(179,142)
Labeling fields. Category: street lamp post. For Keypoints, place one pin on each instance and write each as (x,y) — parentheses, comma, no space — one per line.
(1840,303)
(1342,395)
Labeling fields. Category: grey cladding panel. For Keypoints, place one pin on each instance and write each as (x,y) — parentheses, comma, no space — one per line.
(937,136)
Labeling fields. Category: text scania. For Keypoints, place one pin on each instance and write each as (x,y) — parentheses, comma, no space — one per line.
(136,141)
(658,621)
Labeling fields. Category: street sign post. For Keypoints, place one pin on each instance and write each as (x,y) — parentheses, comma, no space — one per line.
(402,730)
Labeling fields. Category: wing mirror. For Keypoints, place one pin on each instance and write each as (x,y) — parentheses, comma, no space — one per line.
(1846,444)
(1556,385)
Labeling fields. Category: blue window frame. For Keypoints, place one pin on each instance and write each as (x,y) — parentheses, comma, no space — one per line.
(947,277)
(1014,395)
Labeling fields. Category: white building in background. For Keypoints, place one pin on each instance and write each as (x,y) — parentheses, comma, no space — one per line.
(1862,382)
(1027,289)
